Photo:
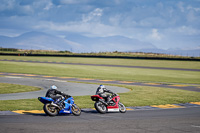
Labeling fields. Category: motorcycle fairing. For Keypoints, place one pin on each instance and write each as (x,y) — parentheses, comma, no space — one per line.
(70,100)
(114,108)
(96,97)
(68,103)
(45,100)
(64,111)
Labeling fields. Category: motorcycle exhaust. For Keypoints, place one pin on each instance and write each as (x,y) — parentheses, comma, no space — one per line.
(55,105)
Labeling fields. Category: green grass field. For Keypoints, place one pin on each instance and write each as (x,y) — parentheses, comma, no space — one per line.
(114,61)
(138,96)
(6,88)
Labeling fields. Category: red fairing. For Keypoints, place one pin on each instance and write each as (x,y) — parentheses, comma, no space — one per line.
(116,100)
(96,97)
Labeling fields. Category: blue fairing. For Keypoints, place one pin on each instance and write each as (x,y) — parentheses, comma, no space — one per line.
(45,100)
(68,103)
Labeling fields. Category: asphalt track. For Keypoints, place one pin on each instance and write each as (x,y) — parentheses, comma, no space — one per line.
(185,120)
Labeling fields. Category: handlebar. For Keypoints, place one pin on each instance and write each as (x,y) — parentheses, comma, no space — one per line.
(68,96)
(114,94)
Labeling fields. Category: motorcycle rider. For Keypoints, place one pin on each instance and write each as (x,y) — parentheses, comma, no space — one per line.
(101,91)
(52,93)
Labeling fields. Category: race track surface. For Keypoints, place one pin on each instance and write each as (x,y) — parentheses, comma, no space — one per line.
(146,121)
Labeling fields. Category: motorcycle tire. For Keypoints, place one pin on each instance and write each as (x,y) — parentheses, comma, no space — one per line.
(100,107)
(76,110)
(50,110)
(122,108)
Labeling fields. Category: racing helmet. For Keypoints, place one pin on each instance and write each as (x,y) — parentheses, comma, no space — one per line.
(101,88)
(53,87)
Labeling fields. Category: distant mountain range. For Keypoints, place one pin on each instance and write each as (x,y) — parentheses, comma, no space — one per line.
(35,40)
(72,42)
(79,43)
(111,43)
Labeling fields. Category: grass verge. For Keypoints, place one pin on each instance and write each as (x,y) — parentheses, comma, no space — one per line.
(108,61)
(138,96)
(6,88)
(100,72)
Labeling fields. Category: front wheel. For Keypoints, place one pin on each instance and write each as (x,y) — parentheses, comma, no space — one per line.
(100,107)
(122,108)
(76,110)
(50,110)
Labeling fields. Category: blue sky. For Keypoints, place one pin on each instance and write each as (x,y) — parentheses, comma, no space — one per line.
(164,23)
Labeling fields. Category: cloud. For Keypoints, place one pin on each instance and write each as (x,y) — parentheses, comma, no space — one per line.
(184,30)
(197,9)
(89,28)
(181,6)
(6,5)
(94,15)
(155,35)
(48,6)
(69,2)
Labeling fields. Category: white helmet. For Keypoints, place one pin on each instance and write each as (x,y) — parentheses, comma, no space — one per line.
(53,87)
(101,88)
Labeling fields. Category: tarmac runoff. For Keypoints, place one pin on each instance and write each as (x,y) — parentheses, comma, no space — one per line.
(65,79)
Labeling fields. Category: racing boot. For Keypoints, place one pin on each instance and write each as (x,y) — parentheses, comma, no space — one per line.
(60,104)
(108,101)
(56,102)
(103,101)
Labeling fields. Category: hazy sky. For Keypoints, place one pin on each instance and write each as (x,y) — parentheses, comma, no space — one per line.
(164,23)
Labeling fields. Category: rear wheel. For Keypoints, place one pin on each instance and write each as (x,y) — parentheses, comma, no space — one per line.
(100,107)
(50,110)
(122,108)
(76,110)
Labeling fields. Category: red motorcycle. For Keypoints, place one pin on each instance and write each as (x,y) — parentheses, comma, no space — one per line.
(113,106)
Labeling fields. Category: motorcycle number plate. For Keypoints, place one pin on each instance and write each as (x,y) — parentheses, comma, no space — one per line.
(113,110)
(66,111)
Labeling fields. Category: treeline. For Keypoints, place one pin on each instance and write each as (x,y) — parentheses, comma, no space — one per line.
(31,51)
(9,49)
(114,54)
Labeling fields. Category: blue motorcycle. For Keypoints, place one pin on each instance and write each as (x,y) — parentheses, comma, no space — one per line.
(67,106)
